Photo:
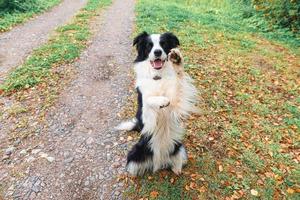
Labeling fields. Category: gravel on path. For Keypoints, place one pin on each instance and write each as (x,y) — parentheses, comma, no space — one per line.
(79,155)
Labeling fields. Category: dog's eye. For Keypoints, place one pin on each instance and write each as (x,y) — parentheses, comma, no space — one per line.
(162,44)
(150,44)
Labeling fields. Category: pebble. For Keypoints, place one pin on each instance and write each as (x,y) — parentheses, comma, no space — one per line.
(68,160)
(9,150)
(89,141)
(66,154)
(86,183)
(5,157)
(50,159)
(18,141)
(37,186)
(108,157)
(36,151)
(116,165)
(101,177)
(30,159)
(23,152)
(43,155)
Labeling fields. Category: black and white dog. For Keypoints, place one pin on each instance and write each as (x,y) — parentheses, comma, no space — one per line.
(166,96)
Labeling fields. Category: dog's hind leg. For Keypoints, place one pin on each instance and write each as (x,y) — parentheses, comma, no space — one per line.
(178,160)
(139,158)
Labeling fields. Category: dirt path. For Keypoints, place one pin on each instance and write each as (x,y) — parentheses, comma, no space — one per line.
(79,155)
(18,43)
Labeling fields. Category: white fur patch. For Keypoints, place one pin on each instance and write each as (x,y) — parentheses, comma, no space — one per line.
(156,46)
(179,160)
(127,126)
(136,169)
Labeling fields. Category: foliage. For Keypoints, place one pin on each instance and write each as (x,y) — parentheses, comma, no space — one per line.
(245,142)
(13,12)
(18,5)
(283,13)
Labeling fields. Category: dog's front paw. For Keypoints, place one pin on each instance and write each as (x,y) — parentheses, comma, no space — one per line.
(175,56)
(158,101)
(165,102)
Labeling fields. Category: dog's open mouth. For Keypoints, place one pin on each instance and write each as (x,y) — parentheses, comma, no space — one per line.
(157,64)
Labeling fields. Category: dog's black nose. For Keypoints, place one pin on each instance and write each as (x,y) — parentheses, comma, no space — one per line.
(157,52)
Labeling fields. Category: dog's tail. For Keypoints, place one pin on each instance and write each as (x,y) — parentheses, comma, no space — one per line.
(128,125)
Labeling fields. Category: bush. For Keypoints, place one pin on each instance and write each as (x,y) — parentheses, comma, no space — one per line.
(279,13)
(18,5)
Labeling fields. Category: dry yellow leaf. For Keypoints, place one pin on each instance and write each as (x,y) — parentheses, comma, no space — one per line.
(254,192)
(220,168)
(154,194)
(187,188)
(290,191)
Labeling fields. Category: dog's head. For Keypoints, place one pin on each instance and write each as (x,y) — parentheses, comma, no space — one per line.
(155,48)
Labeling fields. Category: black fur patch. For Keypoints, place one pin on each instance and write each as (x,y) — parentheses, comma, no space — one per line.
(141,151)
(139,125)
(168,41)
(143,45)
(177,146)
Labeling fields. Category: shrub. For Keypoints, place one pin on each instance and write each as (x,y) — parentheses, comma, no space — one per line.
(18,5)
(279,13)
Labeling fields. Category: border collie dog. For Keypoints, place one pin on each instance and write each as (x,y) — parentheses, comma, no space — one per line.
(166,96)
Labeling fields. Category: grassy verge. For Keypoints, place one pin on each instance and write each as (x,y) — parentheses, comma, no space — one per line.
(245,144)
(9,19)
(63,48)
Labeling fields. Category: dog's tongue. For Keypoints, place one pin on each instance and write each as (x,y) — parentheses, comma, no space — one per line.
(157,64)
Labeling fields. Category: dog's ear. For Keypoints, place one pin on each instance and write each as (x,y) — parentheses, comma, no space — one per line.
(171,38)
(141,37)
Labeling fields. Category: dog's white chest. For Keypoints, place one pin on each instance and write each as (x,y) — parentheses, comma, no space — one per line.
(162,87)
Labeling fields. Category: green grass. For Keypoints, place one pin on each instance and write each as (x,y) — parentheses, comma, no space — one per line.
(216,16)
(63,48)
(248,78)
(9,19)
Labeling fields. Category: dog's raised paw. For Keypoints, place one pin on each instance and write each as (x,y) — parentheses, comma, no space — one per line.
(175,56)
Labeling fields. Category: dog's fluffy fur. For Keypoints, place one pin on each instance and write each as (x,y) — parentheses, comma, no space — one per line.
(166,96)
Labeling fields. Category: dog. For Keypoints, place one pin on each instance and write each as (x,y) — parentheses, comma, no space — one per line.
(166,97)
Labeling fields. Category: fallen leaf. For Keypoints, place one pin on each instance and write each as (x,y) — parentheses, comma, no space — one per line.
(193,175)
(172,180)
(254,192)
(202,189)
(193,185)
(290,191)
(220,168)
(187,188)
(154,194)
